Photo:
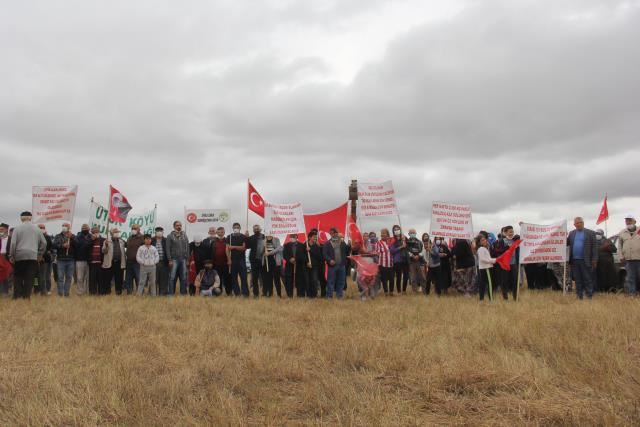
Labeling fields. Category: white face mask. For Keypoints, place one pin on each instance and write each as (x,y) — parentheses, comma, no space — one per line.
(236,230)
(116,235)
(134,232)
(598,237)
(65,229)
(396,233)
(159,234)
(437,242)
(631,227)
(413,235)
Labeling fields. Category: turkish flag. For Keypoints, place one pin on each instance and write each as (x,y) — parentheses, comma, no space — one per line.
(5,268)
(504,260)
(325,221)
(604,212)
(354,232)
(119,206)
(255,202)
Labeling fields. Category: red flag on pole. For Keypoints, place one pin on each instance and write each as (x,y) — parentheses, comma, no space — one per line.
(504,260)
(604,212)
(354,232)
(119,206)
(255,202)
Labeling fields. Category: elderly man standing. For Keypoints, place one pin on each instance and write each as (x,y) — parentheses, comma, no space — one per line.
(177,254)
(113,263)
(83,243)
(27,248)
(583,257)
(65,246)
(629,239)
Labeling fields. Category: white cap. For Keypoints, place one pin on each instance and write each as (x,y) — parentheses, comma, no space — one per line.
(630,216)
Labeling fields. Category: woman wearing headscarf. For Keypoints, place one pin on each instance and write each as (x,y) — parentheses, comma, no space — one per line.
(464,266)
(607,279)
(398,249)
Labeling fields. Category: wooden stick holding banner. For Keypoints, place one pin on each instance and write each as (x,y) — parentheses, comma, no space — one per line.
(488,270)
(564,279)
(518,281)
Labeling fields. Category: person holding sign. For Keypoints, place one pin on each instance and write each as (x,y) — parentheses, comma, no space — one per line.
(583,257)
(295,256)
(485,267)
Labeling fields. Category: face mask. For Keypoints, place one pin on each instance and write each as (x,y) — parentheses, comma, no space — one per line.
(412,235)
(598,237)
(85,232)
(631,227)
(134,232)
(294,240)
(159,234)
(212,235)
(236,230)
(44,231)
(197,244)
(65,229)
(437,242)
(116,235)
(396,233)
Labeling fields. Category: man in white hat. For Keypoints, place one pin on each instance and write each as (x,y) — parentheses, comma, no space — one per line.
(629,239)
(27,249)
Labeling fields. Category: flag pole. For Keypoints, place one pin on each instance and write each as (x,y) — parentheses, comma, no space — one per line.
(518,282)
(564,279)
(248,183)
(490,284)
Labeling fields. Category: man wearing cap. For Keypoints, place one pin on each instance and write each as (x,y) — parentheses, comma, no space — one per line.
(583,257)
(83,242)
(207,281)
(96,258)
(65,245)
(630,253)
(295,256)
(113,263)
(27,248)
(44,267)
(134,241)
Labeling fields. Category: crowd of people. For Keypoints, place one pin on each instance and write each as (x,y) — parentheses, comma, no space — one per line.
(239,264)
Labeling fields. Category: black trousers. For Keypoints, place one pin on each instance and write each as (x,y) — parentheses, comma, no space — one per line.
(313,281)
(434,276)
(401,272)
(483,281)
(24,273)
(386,278)
(95,277)
(225,278)
(272,278)
(507,280)
(256,275)
(114,273)
(297,279)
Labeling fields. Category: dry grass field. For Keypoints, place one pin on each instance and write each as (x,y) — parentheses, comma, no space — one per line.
(130,361)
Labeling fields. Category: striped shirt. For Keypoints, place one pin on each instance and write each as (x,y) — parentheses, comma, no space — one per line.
(384,254)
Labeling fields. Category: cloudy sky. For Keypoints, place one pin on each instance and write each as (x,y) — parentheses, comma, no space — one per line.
(527,110)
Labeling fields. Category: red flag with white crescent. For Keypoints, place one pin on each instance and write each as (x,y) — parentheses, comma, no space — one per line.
(255,202)
(119,206)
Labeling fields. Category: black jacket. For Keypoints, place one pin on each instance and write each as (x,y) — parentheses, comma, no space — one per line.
(83,246)
(164,258)
(301,254)
(252,244)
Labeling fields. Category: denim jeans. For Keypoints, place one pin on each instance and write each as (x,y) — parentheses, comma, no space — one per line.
(582,274)
(44,277)
(132,273)
(179,266)
(633,274)
(65,275)
(336,279)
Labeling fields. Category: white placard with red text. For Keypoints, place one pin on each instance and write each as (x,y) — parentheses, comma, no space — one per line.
(543,243)
(377,199)
(283,219)
(451,220)
(53,203)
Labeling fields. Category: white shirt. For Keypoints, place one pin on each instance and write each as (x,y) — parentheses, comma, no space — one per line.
(484,258)
(3,245)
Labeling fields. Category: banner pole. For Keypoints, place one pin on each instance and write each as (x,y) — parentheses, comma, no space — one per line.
(248,184)
(490,284)
(564,279)
(518,282)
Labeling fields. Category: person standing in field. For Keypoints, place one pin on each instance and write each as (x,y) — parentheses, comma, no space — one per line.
(416,261)
(162,267)
(485,265)
(65,245)
(295,256)
(398,248)
(27,249)
(444,255)
(4,252)
(583,257)
(630,253)
(134,242)
(256,246)
(220,258)
(607,279)
(44,267)
(464,266)
(96,258)
(335,254)
(315,267)
(272,274)
(83,241)
(385,262)
(147,257)
(113,263)
(507,279)
(237,248)
(177,255)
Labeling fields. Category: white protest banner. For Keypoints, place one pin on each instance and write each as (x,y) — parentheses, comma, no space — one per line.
(98,217)
(198,221)
(377,199)
(451,220)
(543,243)
(283,219)
(53,203)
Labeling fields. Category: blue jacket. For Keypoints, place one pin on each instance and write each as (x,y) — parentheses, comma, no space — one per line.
(330,255)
